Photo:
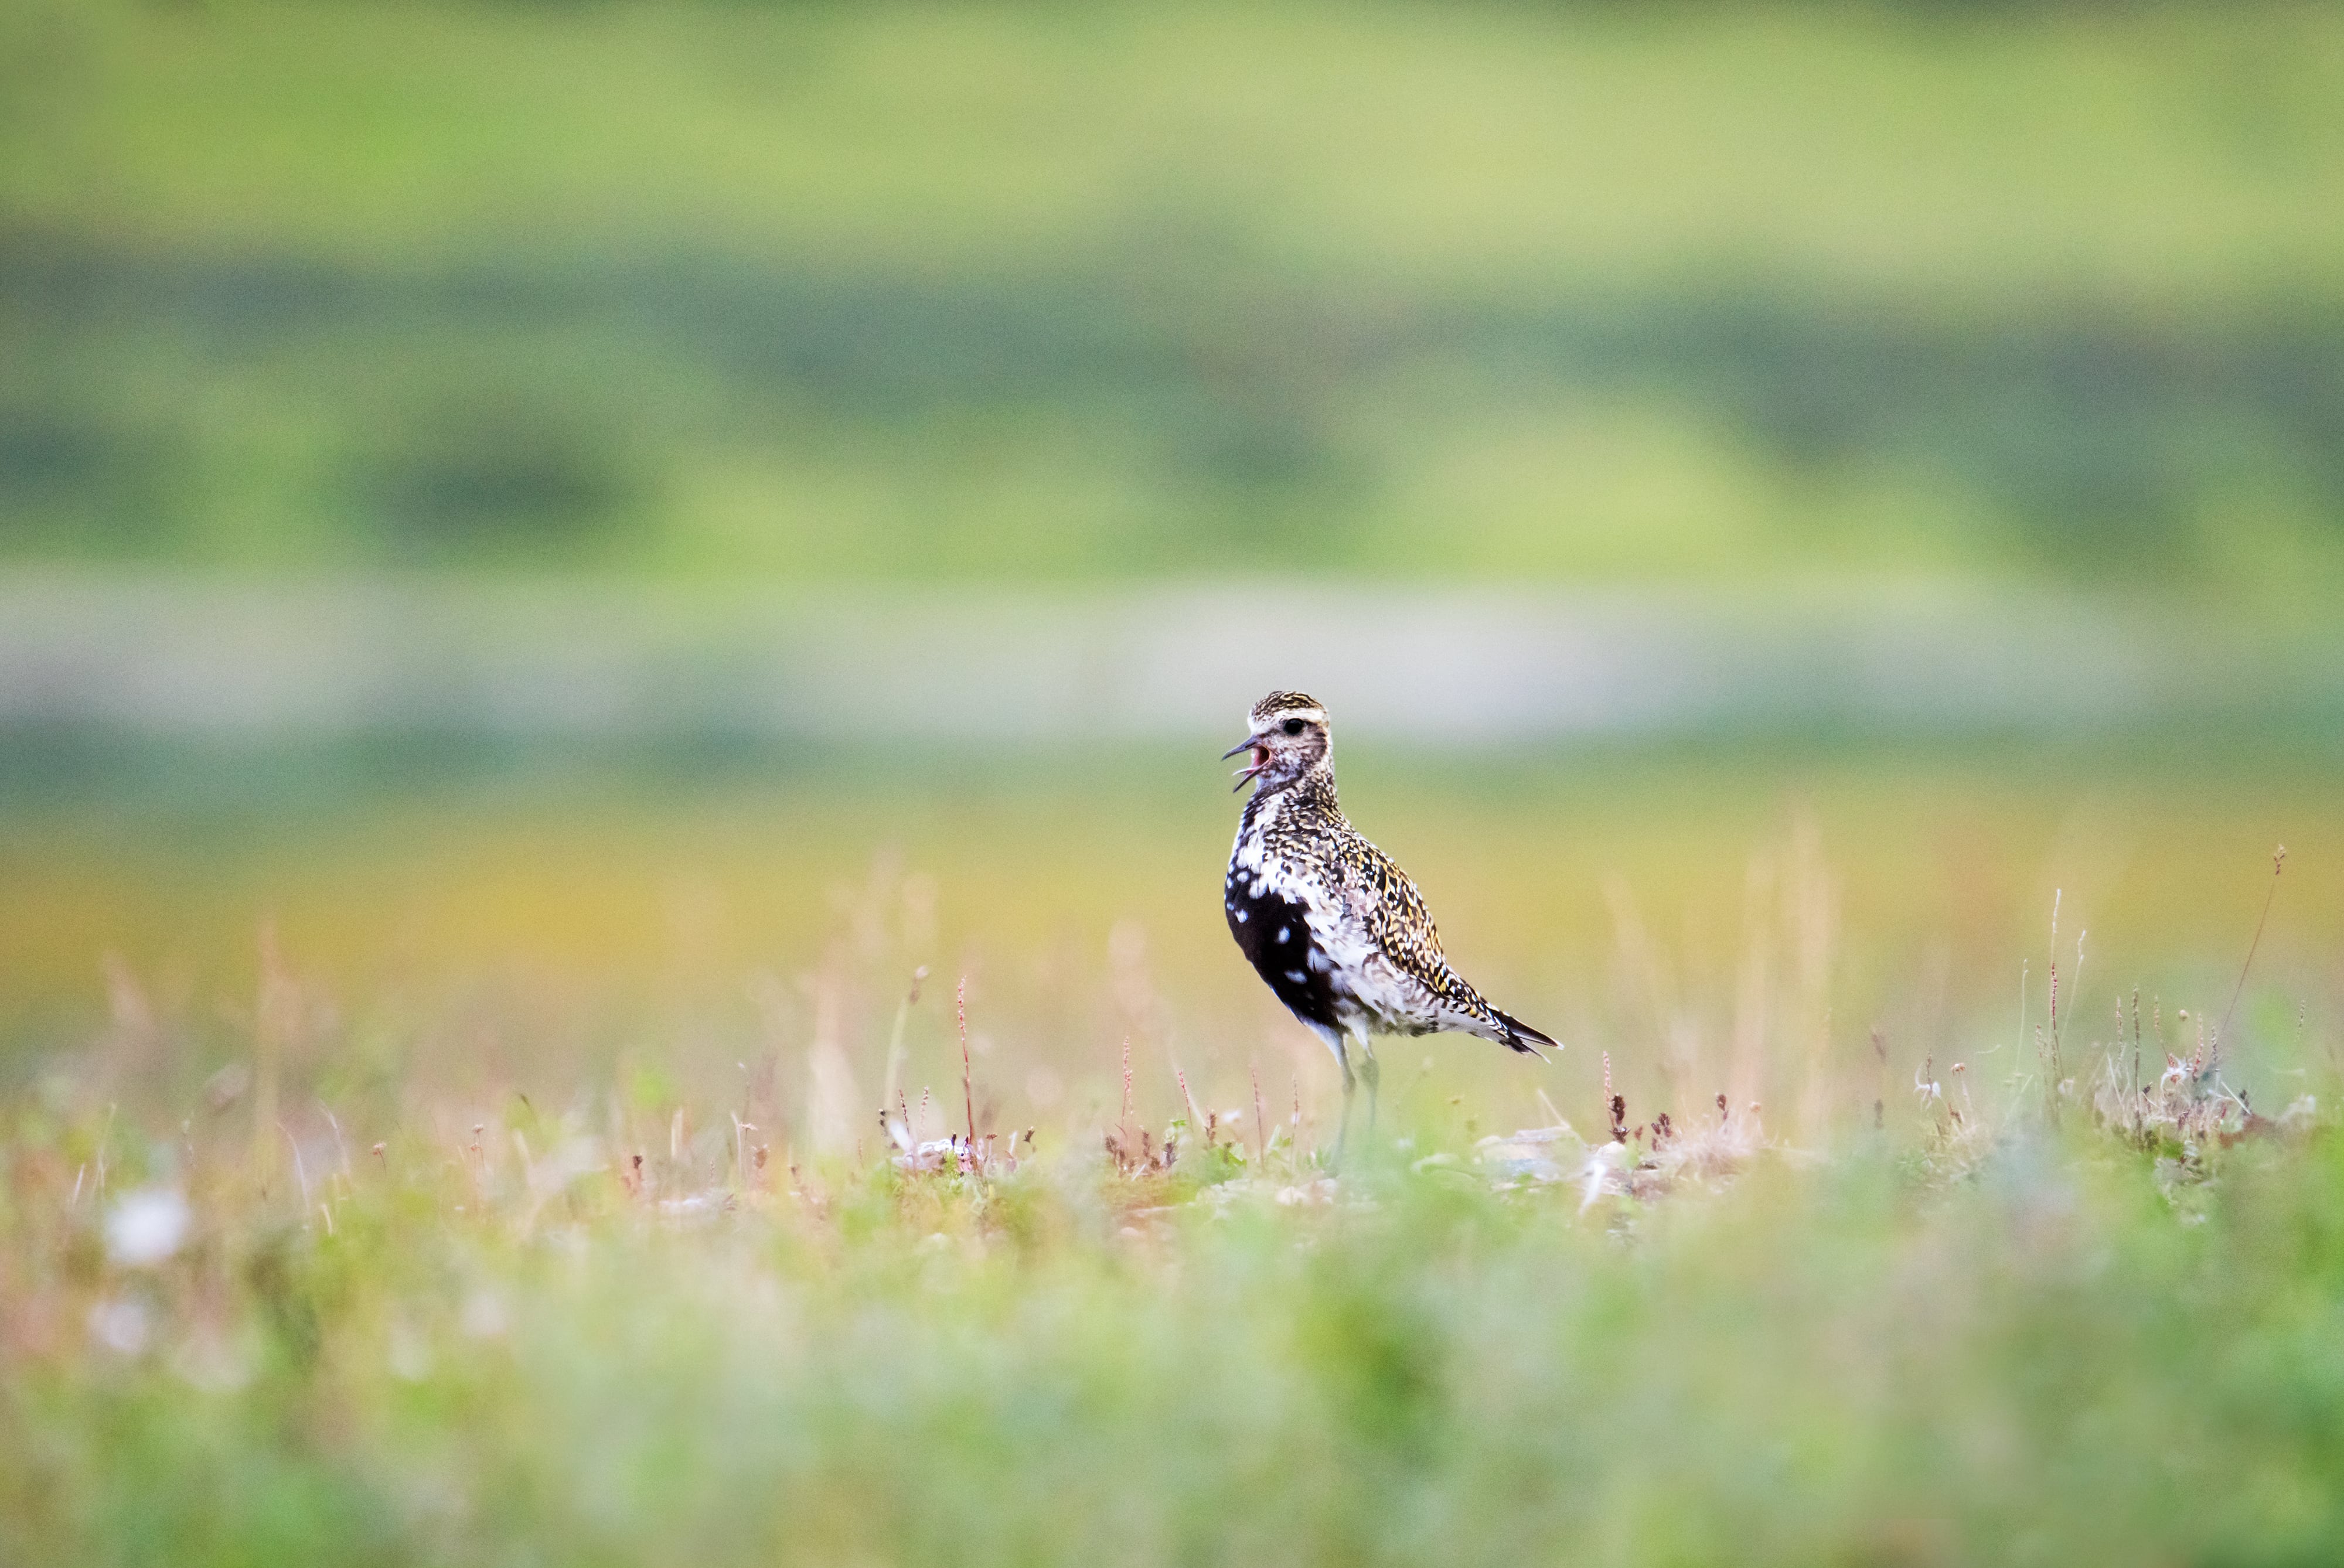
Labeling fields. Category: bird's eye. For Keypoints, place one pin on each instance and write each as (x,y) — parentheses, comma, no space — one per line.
(1292,726)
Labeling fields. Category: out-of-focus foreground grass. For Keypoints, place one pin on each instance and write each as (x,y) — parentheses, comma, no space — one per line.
(1965,1339)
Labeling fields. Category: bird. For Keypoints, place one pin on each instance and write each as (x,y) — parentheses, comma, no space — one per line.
(1332,923)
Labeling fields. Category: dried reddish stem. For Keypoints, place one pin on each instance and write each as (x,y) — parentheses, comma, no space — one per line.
(967,1089)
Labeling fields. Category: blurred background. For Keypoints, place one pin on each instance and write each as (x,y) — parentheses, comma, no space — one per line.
(583,541)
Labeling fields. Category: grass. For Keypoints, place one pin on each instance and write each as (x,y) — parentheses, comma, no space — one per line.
(502,1169)
(925,293)
(557,1336)
(346,1263)
(1857,145)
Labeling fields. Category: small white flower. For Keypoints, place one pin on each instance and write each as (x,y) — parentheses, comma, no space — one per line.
(146,1227)
(119,1326)
(1601,1172)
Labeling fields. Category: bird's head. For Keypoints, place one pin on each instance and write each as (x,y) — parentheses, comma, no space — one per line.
(1287,736)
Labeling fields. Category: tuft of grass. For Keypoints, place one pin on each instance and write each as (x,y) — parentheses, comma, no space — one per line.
(1974,1335)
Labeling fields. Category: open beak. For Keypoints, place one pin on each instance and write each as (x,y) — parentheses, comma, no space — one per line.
(1260,760)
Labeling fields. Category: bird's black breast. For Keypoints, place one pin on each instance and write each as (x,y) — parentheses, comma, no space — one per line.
(1274,935)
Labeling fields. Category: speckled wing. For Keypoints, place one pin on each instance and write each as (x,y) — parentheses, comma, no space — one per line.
(1401,927)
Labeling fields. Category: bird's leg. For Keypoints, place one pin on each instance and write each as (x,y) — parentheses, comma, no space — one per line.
(1373,1075)
(1343,1132)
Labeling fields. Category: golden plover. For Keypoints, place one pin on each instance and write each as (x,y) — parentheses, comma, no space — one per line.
(1338,930)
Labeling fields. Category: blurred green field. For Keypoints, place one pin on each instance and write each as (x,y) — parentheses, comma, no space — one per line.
(572,574)
(917,292)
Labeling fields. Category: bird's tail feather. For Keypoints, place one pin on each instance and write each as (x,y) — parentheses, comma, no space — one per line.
(1521,1037)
